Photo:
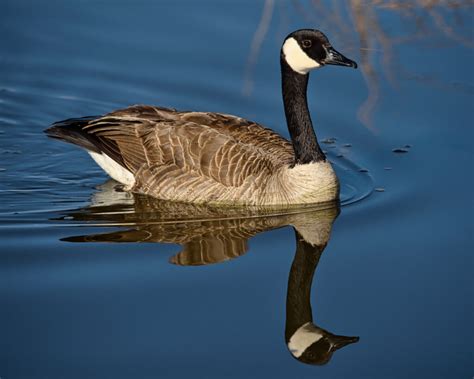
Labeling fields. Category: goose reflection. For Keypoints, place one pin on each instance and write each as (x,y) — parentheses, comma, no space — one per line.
(306,341)
(211,235)
(206,234)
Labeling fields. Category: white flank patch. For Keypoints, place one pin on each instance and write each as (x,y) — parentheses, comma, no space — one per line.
(296,58)
(303,338)
(115,171)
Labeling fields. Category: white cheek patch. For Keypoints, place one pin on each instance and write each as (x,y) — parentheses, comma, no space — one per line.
(303,338)
(296,58)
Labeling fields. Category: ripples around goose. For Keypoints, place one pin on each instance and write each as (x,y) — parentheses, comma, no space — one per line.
(111,206)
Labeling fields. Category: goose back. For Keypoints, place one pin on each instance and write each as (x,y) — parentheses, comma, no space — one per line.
(185,156)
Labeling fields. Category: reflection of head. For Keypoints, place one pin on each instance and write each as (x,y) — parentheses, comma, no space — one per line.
(313,345)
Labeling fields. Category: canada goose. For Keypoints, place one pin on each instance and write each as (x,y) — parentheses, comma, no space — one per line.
(214,158)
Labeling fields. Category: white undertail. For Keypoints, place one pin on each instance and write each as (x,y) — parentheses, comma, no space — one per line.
(113,169)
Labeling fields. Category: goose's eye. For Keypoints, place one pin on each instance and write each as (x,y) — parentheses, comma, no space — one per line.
(306,43)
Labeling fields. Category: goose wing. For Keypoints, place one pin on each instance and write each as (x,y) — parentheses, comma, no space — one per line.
(159,145)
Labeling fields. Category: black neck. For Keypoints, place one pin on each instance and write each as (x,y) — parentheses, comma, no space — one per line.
(305,143)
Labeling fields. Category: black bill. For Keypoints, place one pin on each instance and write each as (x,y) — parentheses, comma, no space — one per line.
(334,57)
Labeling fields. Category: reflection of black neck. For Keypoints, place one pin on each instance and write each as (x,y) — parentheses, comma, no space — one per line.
(298,306)
(306,341)
(305,143)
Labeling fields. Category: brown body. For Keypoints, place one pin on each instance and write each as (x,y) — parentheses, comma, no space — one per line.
(199,157)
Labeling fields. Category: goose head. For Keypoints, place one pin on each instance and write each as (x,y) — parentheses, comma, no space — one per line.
(308,49)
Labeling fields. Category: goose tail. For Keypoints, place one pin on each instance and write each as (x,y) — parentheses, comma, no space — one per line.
(72,131)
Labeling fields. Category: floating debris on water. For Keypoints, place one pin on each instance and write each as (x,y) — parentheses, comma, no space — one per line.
(387,168)
(407,146)
(363,170)
(329,141)
(400,150)
(2,169)
(347,145)
(379,189)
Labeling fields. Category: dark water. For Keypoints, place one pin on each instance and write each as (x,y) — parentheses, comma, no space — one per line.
(396,272)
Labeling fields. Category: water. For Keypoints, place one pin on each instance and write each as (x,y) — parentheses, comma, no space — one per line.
(397,269)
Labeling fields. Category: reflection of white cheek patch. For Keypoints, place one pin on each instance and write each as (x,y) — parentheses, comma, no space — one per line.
(296,58)
(303,338)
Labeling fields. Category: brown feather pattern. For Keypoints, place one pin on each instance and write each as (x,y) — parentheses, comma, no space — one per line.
(193,156)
